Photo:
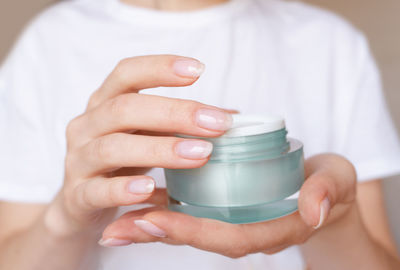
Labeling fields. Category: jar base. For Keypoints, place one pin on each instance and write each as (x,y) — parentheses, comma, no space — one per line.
(238,215)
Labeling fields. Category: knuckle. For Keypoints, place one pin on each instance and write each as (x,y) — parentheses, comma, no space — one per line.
(275,250)
(170,112)
(117,106)
(94,99)
(85,197)
(68,191)
(103,148)
(69,199)
(269,252)
(120,107)
(113,194)
(72,129)
(122,68)
(241,248)
(235,253)
(189,110)
(159,151)
(77,196)
(181,111)
(70,164)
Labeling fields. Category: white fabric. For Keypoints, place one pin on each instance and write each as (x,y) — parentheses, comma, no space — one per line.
(262,56)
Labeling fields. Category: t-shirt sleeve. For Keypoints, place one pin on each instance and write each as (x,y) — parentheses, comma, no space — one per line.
(368,137)
(28,172)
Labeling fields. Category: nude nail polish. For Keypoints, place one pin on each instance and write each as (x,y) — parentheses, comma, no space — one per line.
(194,149)
(141,186)
(323,212)
(187,67)
(114,242)
(150,228)
(213,119)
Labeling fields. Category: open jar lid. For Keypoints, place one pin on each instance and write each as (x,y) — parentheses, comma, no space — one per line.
(248,125)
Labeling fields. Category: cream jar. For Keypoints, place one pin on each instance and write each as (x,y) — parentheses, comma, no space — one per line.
(252,171)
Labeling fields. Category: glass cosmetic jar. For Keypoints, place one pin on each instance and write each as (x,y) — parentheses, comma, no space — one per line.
(253,170)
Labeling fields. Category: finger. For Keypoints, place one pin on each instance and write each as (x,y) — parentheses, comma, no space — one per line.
(125,228)
(137,73)
(152,113)
(124,150)
(212,235)
(100,193)
(155,133)
(331,180)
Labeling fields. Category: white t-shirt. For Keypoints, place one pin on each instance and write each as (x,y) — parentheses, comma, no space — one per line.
(261,56)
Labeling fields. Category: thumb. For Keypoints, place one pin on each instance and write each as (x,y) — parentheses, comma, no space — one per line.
(331,181)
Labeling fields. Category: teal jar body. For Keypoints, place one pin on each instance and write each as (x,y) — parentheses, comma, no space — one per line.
(243,176)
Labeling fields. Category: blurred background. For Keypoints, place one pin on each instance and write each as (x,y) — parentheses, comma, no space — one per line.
(379,20)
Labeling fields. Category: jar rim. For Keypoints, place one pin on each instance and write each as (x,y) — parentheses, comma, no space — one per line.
(249,125)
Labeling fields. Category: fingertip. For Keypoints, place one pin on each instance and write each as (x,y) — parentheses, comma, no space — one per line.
(143,185)
(309,203)
(188,68)
(323,212)
(114,242)
(309,214)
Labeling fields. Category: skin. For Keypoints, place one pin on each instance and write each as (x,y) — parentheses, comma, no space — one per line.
(103,159)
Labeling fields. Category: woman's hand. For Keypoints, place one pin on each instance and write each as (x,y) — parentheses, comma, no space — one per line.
(326,197)
(122,134)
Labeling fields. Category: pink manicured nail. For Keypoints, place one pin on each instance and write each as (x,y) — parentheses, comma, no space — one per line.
(214,119)
(150,228)
(323,212)
(187,67)
(113,242)
(141,186)
(194,149)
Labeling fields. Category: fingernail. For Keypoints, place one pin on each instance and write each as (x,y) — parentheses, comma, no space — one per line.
(323,212)
(141,186)
(194,149)
(114,242)
(186,67)
(213,119)
(150,228)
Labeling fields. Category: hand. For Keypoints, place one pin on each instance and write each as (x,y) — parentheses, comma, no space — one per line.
(122,134)
(326,197)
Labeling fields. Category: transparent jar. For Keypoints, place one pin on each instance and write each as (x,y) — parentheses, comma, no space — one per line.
(253,170)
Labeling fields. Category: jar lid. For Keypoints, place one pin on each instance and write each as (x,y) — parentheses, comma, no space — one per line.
(248,125)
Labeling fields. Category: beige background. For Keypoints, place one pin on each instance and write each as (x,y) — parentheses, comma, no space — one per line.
(378,19)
